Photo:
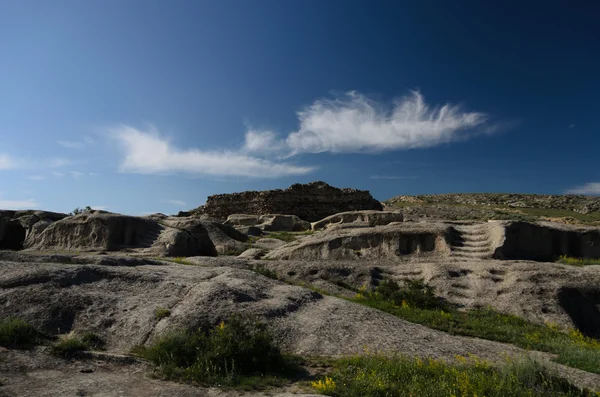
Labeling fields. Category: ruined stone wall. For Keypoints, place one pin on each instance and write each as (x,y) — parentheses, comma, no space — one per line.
(311,202)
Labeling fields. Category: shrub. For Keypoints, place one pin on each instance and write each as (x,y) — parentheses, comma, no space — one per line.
(161,312)
(377,375)
(16,333)
(284,236)
(413,293)
(238,352)
(68,345)
(92,340)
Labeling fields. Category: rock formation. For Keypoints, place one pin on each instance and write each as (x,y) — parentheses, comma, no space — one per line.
(18,227)
(311,202)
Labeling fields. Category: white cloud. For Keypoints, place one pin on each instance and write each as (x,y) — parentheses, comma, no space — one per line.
(354,123)
(390,177)
(148,153)
(178,203)
(58,174)
(18,204)
(262,142)
(592,188)
(76,174)
(571,125)
(36,177)
(98,207)
(6,162)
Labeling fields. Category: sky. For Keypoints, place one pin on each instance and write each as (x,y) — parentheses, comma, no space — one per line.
(143,106)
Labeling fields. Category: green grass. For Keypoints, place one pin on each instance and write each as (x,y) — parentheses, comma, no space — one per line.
(16,333)
(161,312)
(573,349)
(579,261)
(239,353)
(262,270)
(284,236)
(68,345)
(378,376)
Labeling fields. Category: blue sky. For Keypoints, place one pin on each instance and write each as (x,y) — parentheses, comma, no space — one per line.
(151,106)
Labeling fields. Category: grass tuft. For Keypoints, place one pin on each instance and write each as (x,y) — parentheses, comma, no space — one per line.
(69,345)
(18,334)
(161,312)
(262,270)
(239,353)
(378,375)
(579,261)
(283,236)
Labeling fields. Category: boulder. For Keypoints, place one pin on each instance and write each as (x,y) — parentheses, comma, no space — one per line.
(242,220)
(250,230)
(252,253)
(363,218)
(282,223)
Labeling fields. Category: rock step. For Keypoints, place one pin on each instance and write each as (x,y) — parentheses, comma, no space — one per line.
(471,249)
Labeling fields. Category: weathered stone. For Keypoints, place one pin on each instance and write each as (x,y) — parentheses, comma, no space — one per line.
(282,223)
(242,220)
(311,202)
(366,218)
(252,253)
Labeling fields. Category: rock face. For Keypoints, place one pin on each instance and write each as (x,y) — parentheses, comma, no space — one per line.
(547,241)
(359,218)
(17,227)
(382,242)
(459,241)
(103,231)
(311,202)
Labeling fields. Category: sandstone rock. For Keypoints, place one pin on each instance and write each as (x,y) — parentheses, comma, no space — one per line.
(310,202)
(381,242)
(366,218)
(282,223)
(252,253)
(269,243)
(250,230)
(16,227)
(242,220)
(103,231)
(546,241)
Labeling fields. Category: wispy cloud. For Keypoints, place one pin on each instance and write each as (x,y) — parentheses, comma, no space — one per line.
(392,177)
(36,177)
(571,126)
(592,188)
(354,123)
(6,162)
(58,162)
(146,152)
(69,144)
(178,203)
(18,204)
(98,207)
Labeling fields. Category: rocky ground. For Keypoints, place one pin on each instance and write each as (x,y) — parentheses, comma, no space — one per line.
(109,274)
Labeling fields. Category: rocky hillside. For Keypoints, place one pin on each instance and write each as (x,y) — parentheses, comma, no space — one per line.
(575,203)
(483,206)
(311,202)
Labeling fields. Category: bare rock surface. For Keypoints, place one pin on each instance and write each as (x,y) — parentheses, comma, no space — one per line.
(310,202)
(35,373)
(118,304)
(383,242)
(269,222)
(364,218)
(16,227)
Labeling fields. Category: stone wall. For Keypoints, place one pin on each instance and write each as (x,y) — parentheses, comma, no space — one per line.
(311,202)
